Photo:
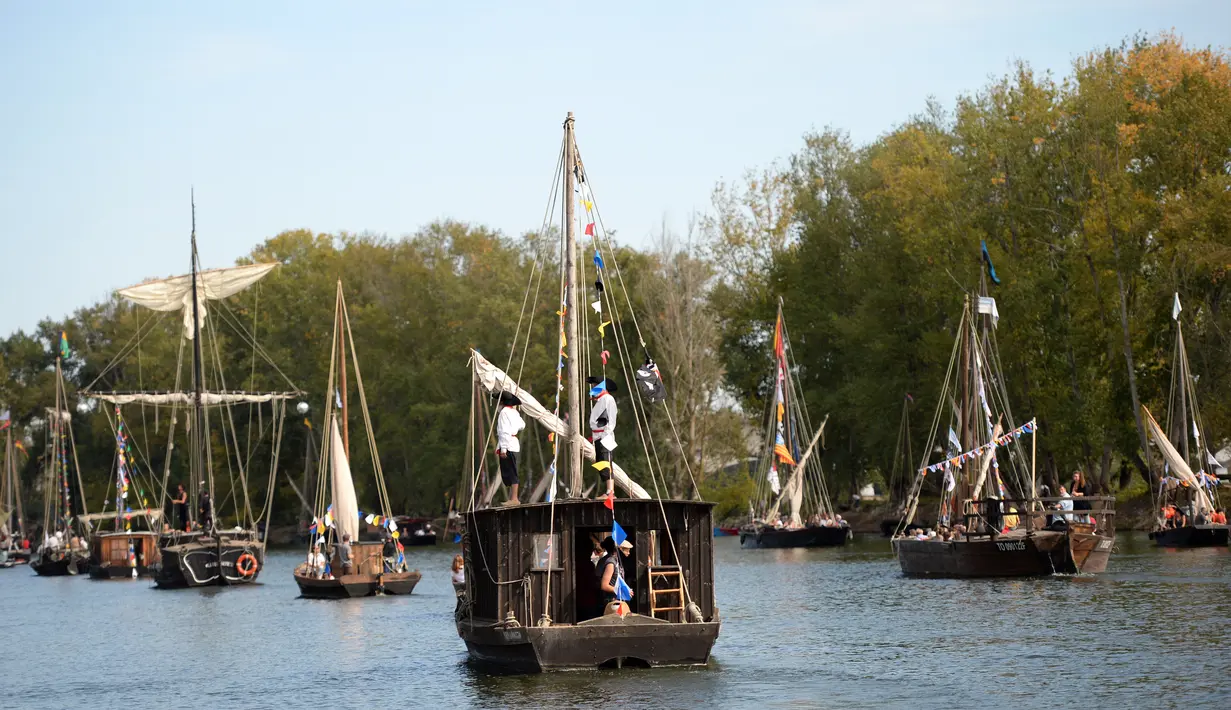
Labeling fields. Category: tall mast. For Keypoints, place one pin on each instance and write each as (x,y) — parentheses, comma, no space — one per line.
(1183,381)
(198,372)
(570,312)
(342,370)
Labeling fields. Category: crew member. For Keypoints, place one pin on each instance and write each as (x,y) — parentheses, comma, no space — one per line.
(603,425)
(508,424)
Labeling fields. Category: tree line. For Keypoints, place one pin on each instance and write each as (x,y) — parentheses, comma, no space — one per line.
(1099,196)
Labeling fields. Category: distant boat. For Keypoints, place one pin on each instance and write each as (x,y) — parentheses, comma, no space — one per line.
(804,490)
(12,519)
(1186,492)
(63,549)
(726,531)
(379,566)
(212,553)
(416,531)
(998,529)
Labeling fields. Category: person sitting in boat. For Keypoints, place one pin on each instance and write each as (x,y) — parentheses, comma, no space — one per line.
(508,424)
(603,426)
(839,522)
(1064,504)
(459,570)
(316,561)
(1219,517)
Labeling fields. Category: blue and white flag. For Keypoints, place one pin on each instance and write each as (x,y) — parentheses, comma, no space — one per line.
(622,592)
(617,533)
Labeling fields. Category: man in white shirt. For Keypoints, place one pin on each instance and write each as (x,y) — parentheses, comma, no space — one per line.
(508,424)
(602,426)
(316,561)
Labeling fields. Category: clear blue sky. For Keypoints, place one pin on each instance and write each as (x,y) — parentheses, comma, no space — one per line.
(385,116)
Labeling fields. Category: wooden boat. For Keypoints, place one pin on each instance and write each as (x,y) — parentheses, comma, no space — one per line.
(12,517)
(416,532)
(532,599)
(787,423)
(378,567)
(218,552)
(64,546)
(731,531)
(125,554)
(995,534)
(1185,484)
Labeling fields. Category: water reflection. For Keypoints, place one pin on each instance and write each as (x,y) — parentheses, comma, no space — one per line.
(803,628)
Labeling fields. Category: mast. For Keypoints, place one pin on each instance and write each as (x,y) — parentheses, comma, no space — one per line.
(570,313)
(1183,367)
(198,373)
(342,370)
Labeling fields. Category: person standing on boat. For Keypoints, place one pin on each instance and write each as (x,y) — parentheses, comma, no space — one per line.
(205,510)
(610,569)
(316,561)
(508,424)
(344,555)
(1079,488)
(603,425)
(181,507)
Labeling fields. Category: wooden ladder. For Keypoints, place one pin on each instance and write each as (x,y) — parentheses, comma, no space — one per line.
(678,590)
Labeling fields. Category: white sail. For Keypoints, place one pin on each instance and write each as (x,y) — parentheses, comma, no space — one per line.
(175,293)
(493,379)
(208,399)
(345,505)
(1178,465)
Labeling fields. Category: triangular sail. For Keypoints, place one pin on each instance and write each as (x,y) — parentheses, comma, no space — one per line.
(175,293)
(342,486)
(1178,465)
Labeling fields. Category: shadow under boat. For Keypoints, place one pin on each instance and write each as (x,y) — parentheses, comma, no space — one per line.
(370,580)
(1192,536)
(532,602)
(1039,544)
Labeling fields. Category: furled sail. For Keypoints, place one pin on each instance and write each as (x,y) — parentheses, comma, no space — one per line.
(151,513)
(493,379)
(1178,465)
(795,484)
(208,399)
(175,293)
(345,504)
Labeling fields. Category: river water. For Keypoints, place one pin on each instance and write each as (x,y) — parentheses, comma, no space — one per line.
(802,629)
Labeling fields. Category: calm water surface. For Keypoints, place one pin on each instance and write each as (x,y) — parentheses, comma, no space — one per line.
(802,629)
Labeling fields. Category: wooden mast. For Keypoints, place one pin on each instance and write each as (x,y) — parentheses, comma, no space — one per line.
(342,371)
(570,314)
(198,380)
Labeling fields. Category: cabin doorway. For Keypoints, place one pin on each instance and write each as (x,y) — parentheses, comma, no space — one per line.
(589,597)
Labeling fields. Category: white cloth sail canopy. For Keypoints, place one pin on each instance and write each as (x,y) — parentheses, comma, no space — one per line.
(208,399)
(342,486)
(1178,465)
(175,293)
(493,379)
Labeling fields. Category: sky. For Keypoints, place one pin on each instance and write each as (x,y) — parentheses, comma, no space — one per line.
(382,117)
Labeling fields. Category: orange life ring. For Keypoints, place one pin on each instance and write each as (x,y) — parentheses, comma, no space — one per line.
(246,565)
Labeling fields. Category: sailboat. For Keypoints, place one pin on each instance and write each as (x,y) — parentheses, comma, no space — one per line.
(379,566)
(63,549)
(12,518)
(211,553)
(1186,492)
(986,530)
(787,425)
(531,600)
(125,552)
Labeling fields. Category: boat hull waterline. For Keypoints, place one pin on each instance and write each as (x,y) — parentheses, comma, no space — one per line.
(1036,554)
(351,586)
(775,538)
(207,563)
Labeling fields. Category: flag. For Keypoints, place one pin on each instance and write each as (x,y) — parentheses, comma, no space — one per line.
(1176,307)
(609,501)
(337,398)
(774,485)
(783,453)
(622,592)
(20,447)
(991,270)
(598,259)
(597,306)
(590,230)
(551,490)
(954,441)
(64,345)
(617,533)
(598,389)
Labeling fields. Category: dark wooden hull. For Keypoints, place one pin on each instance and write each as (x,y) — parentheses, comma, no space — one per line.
(608,641)
(63,567)
(763,537)
(207,563)
(1038,554)
(118,571)
(1192,536)
(423,540)
(352,586)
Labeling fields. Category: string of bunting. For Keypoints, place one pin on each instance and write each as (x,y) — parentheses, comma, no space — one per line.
(959,460)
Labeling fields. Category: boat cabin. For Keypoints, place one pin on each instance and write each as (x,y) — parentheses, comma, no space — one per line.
(109,554)
(510,544)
